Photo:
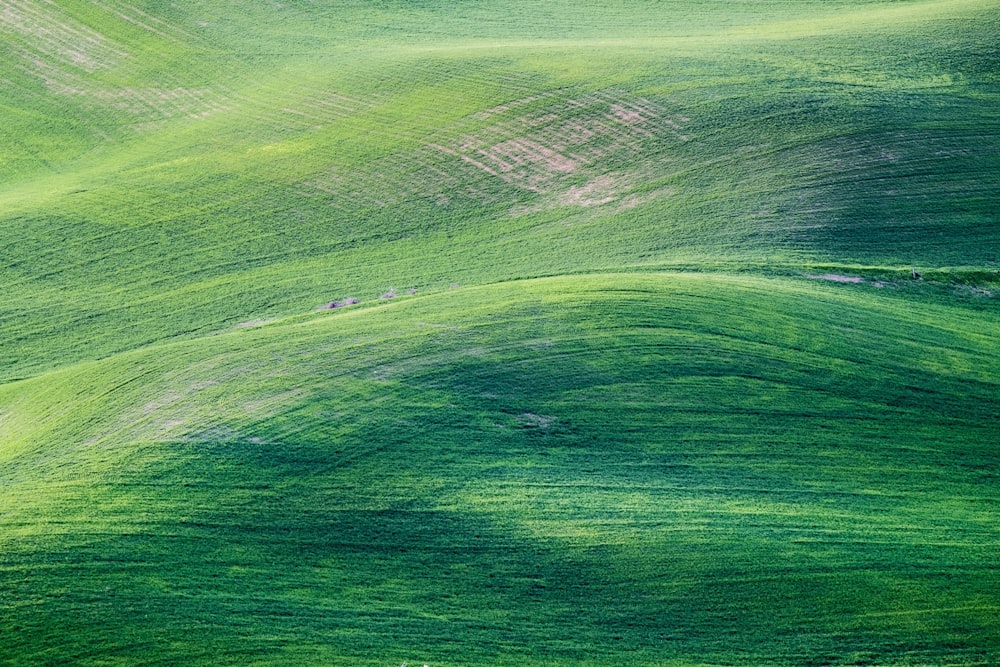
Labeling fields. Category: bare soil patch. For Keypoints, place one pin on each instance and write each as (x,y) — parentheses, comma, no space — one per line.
(553,146)
(837,278)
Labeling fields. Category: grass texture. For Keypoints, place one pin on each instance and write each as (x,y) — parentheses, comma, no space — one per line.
(558,471)
(660,384)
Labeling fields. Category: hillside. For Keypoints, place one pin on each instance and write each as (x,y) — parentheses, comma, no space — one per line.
(191,171)
(658,385)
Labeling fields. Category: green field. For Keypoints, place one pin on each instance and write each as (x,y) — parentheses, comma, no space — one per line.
(693,358)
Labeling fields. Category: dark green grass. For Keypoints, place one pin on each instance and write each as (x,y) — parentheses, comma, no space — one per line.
(594,469)
(744,462)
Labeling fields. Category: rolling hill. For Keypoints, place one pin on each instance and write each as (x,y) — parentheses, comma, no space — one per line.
(676,340)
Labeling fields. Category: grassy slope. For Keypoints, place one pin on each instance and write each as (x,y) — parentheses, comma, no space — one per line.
(598,467)
(330,154)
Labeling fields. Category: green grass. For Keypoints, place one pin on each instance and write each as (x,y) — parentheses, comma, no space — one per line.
(581,469)
(289,175)
(623,420)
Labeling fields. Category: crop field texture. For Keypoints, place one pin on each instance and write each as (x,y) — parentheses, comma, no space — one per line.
(666,332)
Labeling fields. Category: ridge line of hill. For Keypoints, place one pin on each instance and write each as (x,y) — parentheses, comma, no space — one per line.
(828,276)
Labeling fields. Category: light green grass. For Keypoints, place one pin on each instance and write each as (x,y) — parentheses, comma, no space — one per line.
(624,419)
(779,133)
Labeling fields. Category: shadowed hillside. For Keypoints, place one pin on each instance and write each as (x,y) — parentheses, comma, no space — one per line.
(546,471)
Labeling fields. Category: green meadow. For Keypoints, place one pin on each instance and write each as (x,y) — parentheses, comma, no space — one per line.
(675,343)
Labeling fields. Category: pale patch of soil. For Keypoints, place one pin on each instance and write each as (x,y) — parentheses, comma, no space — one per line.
(626,115)
(548,149)
(972,290)
(531,420)
(836,278)
(601,190)
(576,136)
(148,107)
